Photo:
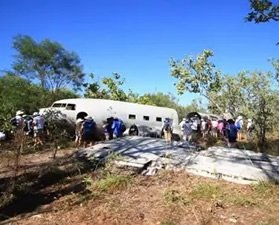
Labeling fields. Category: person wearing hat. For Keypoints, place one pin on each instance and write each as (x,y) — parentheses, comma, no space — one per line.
(38,127)
(187,132)
(78,131)
(17,121)
(239,126)
(88,131)
(250,127)
(167,130)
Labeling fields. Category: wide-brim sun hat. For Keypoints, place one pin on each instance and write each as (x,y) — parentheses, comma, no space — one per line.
(19,112)
(88,118)
(79,120)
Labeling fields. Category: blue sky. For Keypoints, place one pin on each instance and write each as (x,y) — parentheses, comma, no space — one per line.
(137,38)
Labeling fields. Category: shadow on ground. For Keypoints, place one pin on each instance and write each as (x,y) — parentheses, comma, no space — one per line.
(29,192)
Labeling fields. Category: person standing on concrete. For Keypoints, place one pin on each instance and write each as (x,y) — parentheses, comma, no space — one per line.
(214,128)
(167,129)
(38,127)
(239,126)
(220,127)
(231,133)
(187,132)
(182,124)
(88,131)
(203,127)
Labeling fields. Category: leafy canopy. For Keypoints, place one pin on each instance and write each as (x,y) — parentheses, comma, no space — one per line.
(263,11)
(47,62)
(196,75)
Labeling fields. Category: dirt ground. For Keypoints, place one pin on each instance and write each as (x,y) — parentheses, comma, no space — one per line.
(107,196)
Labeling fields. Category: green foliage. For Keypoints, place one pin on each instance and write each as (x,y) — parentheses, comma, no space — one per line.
(196,75)
(87,180)
(263,11)
(17,93)
(249,94)
(170,101)
(47,62)
(114,182)
(110,88)
(275,64)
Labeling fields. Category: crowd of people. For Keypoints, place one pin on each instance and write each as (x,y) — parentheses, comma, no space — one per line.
(87,132)
(34,126)
(228,130)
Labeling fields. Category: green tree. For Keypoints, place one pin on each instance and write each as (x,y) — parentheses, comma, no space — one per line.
(230,98)
(250,94)
(263,11)
(170,101)
(17,93)
(262,102)
(197,76)
(110,88)
(47,62)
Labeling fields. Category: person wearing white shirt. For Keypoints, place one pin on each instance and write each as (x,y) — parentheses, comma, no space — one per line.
(38,125)
(182,124)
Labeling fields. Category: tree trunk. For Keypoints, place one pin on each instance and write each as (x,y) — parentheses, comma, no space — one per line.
(214,103)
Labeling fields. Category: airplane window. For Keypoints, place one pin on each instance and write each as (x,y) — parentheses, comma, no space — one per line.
(58,105)
(145,117)
(71,107)
(132,117)
(159,119)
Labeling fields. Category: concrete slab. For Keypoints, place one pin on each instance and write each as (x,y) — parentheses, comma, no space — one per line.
(241,166)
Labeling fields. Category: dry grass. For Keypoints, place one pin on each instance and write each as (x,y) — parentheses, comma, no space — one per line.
(167,198)
(113,196)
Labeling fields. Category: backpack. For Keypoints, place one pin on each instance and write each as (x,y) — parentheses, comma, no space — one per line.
(89,126)
(27,125)
(238,125)
(13,122)
(232,131)
(122,127)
